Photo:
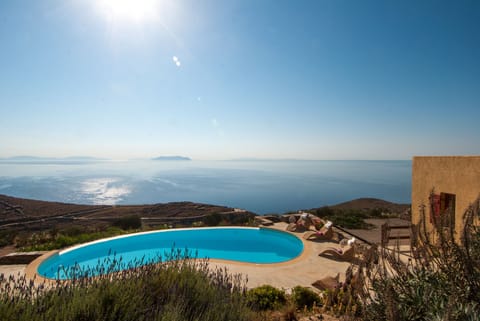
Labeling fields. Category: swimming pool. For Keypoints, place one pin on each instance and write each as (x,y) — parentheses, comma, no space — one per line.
(250,245)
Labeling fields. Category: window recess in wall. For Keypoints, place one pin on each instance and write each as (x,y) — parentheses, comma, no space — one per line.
(442,211)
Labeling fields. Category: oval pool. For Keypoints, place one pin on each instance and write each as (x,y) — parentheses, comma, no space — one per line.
(250,245)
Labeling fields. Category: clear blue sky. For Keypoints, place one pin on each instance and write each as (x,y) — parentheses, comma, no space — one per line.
(319,79)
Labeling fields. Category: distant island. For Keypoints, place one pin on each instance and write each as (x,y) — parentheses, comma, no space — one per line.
(171,158)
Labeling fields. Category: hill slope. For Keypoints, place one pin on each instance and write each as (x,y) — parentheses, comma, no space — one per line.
(370,204)
(26,214)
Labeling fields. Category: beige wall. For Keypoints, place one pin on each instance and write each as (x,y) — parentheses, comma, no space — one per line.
(459,175)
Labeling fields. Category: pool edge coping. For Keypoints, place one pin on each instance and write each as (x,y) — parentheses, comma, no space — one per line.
(32,268)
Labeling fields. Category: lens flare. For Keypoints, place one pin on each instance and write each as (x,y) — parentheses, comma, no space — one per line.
(135,10)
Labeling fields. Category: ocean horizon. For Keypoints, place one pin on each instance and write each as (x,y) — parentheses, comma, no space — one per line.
(260,186)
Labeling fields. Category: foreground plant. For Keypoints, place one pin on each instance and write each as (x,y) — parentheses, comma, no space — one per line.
(441,281)
(183,288)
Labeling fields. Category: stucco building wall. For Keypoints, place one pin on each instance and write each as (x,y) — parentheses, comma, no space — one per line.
(458,175)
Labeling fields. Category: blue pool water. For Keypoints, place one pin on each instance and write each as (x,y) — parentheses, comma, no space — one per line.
(252,245)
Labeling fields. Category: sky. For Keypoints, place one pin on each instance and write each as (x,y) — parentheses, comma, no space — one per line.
(215,79)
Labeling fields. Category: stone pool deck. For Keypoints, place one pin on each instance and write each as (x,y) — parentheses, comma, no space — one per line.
(304,270)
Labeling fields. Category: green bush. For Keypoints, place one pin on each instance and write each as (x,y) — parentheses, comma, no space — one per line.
(240,219)
(130,222)
(71,231)
(266,297)
(324,212)
(212,219)
(304,297)
(376,212)
(348,218)
(7,237)
(46,241)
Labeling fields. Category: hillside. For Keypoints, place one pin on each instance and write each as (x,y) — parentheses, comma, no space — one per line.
(25,214)
(368,204)
(355,213)
(18,214)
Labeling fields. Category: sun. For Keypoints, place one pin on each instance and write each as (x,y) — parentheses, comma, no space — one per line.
(133,10)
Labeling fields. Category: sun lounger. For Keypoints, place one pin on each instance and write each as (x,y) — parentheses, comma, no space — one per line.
(297,227)
(292,227)
(325,233)
(328,283)
(345,254)
(302,224)
(345,242)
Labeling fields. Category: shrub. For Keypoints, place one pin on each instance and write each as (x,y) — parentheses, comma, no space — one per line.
(212,219)
(130,222)
(71,231)
(241,218)
(376,212)
(266,297)
(46,242)
(7,237)
(304,297)
(347,218)
(324,212)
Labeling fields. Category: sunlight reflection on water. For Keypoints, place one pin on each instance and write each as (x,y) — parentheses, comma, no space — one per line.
(258,186)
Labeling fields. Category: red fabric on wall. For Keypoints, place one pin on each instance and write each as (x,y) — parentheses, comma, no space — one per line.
(435,208)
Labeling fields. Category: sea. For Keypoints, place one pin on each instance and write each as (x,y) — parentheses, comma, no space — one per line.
(260,186)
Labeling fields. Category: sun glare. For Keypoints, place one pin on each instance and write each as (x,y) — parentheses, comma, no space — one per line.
(134,10)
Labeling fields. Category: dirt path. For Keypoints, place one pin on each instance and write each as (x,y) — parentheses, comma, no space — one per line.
(7,250)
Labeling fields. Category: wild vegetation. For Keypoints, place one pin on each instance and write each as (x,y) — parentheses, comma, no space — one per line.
(351,218)
(184,288)
(305,298)
(54,239)
(7,237)
(130,222)
(441,281)
(266,297)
